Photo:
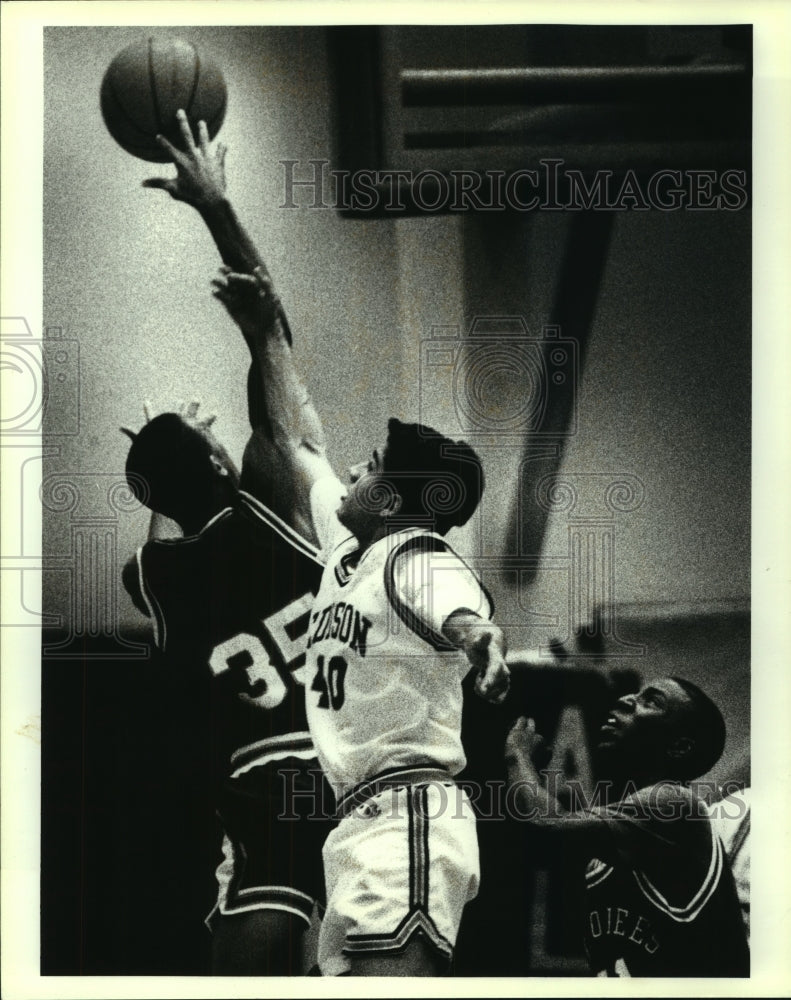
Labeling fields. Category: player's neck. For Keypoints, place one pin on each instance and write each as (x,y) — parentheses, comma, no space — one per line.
(196,520)
(370,538)
(623,777)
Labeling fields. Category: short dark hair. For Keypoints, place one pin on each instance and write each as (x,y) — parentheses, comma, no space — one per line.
(168,464)
(440,481)
(703,722)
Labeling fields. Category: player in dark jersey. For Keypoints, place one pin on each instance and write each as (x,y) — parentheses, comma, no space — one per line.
(229,603)
(660,897)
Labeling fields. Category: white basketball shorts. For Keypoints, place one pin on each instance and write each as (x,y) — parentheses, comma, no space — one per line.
(404,862)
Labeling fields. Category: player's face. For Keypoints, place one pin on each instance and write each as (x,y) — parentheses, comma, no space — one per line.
(361,509)
(644,722)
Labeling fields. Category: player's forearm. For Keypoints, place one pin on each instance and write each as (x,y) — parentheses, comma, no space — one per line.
(290,412)
(533,802)
(240,253)
(235,245)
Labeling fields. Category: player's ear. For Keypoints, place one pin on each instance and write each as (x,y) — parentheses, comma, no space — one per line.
(393,505)
(218,466)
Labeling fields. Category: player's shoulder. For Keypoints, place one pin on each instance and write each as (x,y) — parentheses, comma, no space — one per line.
(270,526)
(673,812)
(425,556)
(730,816)
(399,545)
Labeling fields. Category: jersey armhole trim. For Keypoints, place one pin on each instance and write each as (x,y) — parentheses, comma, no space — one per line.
(408,615)
(277,524)
(597,873)
(741,836)
(297,744)
(154,609)
(421,628)
(688,912)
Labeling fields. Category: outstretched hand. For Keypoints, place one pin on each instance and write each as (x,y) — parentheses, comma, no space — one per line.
(486,657)
(249,298)
(200,170)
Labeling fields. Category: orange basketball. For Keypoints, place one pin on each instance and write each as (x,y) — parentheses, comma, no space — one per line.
(147,83)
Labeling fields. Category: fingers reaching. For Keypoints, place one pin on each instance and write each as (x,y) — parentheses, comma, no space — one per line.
(186,131)
(175,154)
(203,137)
(493,684)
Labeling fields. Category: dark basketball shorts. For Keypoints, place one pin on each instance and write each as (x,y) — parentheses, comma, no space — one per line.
(275,819)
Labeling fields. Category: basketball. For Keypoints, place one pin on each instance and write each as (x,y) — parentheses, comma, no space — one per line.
(147,83)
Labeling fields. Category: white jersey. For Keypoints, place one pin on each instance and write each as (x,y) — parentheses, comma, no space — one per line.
(384,683)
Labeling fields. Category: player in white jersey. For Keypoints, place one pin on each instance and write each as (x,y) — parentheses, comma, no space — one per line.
(398,621)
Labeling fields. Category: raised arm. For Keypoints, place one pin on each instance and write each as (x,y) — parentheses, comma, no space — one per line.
(285,453)
(286,457)
(552,826)
(200,182)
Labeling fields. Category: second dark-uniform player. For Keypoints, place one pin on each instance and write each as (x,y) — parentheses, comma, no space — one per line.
(659,894)
(229,602)
(229,606)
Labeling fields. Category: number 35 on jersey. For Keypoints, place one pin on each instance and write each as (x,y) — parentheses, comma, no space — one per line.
(262,682)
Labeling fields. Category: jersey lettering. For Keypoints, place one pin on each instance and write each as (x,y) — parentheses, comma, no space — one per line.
(246,655)
(615,921)
(343,622)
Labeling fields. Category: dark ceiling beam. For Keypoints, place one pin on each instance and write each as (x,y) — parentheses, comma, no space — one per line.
(572,84)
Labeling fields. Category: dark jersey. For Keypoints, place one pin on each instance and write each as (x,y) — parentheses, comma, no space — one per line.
(664,903)
(229,608)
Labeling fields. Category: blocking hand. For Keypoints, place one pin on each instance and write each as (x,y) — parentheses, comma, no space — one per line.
(524,746)
(249,298)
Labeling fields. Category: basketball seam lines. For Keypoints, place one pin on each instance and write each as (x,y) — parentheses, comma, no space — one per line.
(195,79)
(127,117)
(152,80)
